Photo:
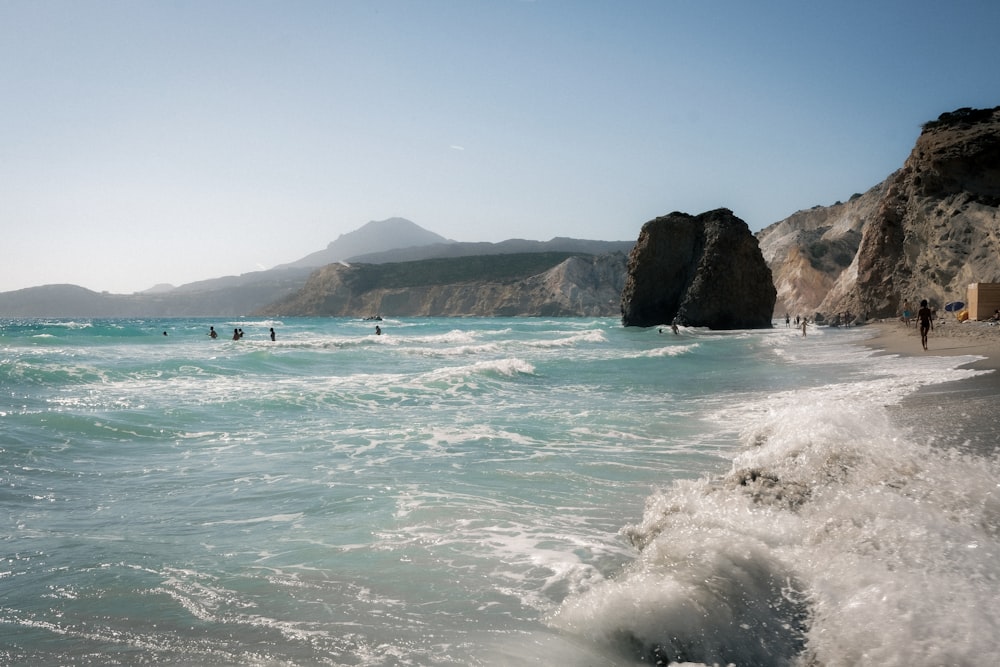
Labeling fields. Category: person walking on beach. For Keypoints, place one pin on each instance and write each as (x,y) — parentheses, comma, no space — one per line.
(805,322)
(906,312)
(926,319)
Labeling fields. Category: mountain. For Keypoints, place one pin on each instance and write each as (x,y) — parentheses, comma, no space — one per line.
(249,292)
(529,284)
(159,288)
(62,301)
(927,232)
(373,237)
(511,246)
(244,294)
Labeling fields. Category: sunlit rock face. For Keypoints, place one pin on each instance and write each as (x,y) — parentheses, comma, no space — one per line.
(937,228)
(812,252)
(926,232)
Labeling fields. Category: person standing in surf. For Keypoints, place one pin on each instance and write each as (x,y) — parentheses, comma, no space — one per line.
(926,319)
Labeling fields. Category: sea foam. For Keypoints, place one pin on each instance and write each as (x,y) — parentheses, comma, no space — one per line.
(836,538)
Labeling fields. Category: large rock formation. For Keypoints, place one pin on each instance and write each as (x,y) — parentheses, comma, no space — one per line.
(577,286)
(705,270)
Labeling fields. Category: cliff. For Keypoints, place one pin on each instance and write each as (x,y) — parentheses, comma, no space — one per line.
(810,251)
(535,284)
(927,232)
(705,270)
(937,227)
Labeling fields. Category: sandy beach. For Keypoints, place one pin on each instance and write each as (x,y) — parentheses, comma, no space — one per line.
(948,338)
(954,414)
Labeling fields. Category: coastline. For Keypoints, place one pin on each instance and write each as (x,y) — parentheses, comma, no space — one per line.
(948,338)
(958,414)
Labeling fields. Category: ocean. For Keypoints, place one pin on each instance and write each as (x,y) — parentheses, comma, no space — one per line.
(485,492)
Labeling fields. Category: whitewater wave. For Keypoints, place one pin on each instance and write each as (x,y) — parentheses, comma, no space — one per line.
(593,336)
(836,538)
(508,368)
(666,351)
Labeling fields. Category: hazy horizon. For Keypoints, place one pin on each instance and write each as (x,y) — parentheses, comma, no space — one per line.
(148,143)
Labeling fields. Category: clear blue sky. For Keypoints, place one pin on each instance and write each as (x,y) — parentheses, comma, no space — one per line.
(173,141)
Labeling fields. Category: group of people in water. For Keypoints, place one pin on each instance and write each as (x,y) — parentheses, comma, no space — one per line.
(237,333)
(800,322)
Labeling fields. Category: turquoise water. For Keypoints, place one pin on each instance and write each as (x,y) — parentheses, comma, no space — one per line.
(480,491)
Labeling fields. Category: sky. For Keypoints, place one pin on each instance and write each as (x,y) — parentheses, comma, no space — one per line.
(173,141)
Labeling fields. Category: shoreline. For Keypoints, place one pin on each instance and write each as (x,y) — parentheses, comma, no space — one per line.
(960,414)
(947,338)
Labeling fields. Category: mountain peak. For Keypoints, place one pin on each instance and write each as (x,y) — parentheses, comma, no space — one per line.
(393,233)
(372,237)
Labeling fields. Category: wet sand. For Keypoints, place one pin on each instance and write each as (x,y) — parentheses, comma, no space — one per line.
(948,338)
(964,414)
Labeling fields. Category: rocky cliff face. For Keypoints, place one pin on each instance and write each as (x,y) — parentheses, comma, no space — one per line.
(706,270)
(577,287)
(810,251)
(927,232)
(937,227)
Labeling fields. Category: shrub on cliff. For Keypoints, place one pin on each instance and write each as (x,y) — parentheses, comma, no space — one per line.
(966,116)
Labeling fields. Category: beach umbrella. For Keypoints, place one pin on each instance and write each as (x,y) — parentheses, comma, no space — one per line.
(954,306)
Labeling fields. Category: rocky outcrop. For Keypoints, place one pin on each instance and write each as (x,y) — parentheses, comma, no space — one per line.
(580,286)
(705,270)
